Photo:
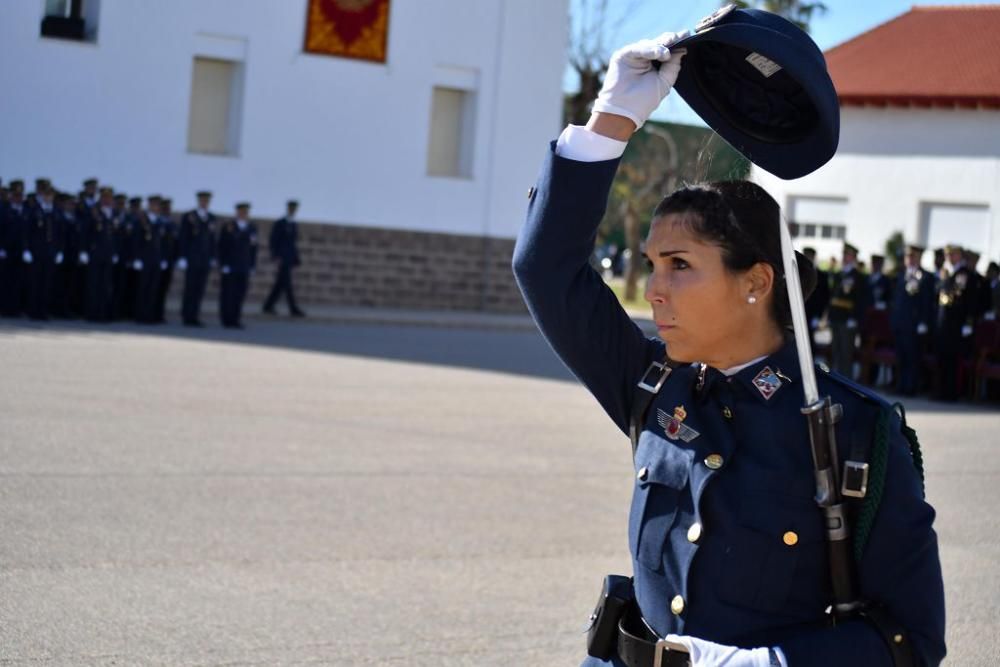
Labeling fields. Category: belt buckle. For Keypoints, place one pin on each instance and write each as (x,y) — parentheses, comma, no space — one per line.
(665,650)
(654,377)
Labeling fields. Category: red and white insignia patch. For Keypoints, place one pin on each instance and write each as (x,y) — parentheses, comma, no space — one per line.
(767,382)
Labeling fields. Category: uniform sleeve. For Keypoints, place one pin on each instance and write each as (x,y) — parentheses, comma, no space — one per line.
(900,570)
(577,313)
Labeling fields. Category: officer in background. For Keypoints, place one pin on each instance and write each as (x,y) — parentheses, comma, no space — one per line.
(126,276)
(87,199)
(43,252)
(819,300)
(69,280)
(956,317)
(992,286)
(196,249)
(14,218)
(237,260)
(913,304)
(99,255)
(284,250)
(146,257)
(168,258)
(848,301)
(879,284)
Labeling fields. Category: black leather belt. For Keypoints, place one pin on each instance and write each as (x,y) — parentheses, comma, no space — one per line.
(638,647)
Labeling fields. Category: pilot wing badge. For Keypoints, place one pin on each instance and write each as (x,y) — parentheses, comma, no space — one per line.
(673,425)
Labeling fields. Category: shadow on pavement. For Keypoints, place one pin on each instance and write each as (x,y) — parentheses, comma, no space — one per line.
(519,352)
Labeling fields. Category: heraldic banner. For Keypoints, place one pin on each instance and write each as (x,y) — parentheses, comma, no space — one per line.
(348,28)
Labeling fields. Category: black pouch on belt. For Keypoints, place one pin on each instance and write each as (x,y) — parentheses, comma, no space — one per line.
(602,635)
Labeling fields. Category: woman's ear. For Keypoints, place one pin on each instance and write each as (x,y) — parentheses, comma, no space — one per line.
(761,279)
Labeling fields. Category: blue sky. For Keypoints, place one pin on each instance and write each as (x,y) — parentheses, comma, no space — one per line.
(843,20)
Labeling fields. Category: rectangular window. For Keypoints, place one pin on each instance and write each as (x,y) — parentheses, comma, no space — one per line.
(810,231)
(216,106)
(71,19)
(452,133)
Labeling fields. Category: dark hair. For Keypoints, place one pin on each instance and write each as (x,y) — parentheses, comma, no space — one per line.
(743,221)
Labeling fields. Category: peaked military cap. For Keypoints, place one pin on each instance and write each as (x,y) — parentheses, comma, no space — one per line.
(203,193)
(90,182)
(133,201)
(878,258)
(915,248)
(242,205)
(850,248)
(292,203)
(16,184)
(761,83)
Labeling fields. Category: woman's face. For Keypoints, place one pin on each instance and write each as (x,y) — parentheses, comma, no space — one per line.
(699,306)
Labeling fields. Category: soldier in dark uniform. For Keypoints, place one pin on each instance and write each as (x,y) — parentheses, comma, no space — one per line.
(728,547)
(913,310)
(957,300)
(146,256)
(237,260)
(819,300)
(123,283)
(168,258)
(848,301)
(15,266)
(196,249)
(879,284)
(67,299)
(99,255)
(43,252)
(284,250)
(87,199)
(992,286)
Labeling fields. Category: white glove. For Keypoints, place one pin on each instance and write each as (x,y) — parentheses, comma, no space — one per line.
(182,264)
(632,86)
(966,331)
(163,265)
(59,258)
(852,323)
(84,258)
(137,265)
(814,323)
(3,254)
(706,654)
(26,256)
(921,329)
(989,315)
(225,268)
(880,305)
(214,262)
(114,259)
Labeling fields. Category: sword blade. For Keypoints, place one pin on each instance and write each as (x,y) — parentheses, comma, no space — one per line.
(799,324)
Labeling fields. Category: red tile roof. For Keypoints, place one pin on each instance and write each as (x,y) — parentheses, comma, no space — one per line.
(928,57)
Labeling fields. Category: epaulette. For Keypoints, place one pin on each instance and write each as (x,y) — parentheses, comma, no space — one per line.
(860,391)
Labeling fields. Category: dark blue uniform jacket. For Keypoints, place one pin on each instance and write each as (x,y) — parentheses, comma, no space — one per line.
(284,241)
(745,477)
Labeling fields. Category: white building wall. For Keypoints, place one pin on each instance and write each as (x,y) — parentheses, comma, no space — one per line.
(890,161)
(348,138)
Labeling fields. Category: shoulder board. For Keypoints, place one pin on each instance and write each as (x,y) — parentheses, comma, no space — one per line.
(860,391)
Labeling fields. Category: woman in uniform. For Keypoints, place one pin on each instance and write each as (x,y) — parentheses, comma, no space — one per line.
(730,563)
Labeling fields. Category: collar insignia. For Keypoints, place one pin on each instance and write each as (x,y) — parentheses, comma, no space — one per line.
(674,426)
(767,382)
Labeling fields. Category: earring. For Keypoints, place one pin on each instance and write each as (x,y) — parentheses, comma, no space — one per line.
(751,299)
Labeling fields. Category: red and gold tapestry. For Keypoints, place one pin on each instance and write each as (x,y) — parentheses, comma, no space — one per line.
(348,28)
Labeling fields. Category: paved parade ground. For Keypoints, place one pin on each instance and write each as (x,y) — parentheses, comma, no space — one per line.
(306,493)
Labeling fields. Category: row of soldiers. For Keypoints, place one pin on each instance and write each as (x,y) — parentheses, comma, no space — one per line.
(101,256)
(937,308)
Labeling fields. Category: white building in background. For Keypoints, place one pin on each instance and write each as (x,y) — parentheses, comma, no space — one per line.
(172,97)
(920,139)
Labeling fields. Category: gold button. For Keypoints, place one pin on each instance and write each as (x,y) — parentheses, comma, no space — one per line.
(643,474)
(727,413)
(791,539)
(677,605)
(694,533)
(898,639)
(714,461)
